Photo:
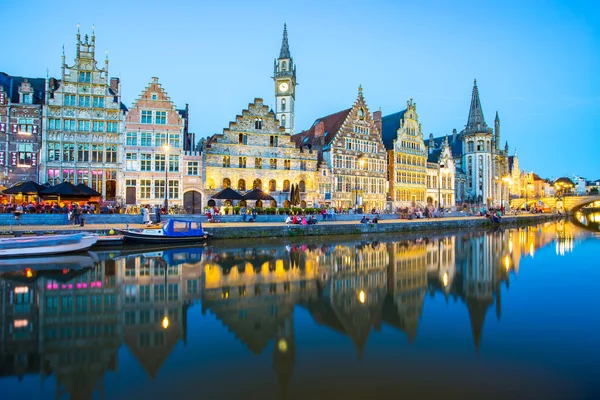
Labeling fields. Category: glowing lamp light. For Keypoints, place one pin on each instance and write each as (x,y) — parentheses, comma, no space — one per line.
(445,279)
(165,322)
(506,263)
(65,271)
(282,345)
(28,272)
(21,289)
(21,323)
(362,296)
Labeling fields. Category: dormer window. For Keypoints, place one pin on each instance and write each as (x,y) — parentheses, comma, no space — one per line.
(27,98)
(361,113)
(154,96)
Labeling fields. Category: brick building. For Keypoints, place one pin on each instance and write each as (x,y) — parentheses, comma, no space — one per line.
(156,137)
(21,101)
(83,124)
(350,143)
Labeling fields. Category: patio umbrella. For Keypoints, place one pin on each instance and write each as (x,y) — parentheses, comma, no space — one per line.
(257,194)
(88,190)
(292,195)
(64,189)
(228,194)
(29,187)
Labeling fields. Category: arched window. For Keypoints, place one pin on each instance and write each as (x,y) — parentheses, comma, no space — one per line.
(302,186)
(257,184)
(470,146)
(272,185)
(242,185)
(286,185)
(284,66)
(226,183)
(282,104)
(226,161)
(283,121)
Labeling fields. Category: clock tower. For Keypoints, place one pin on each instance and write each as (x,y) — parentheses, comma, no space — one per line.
(285,85)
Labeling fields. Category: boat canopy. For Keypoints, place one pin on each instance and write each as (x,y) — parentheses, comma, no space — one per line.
(182,228)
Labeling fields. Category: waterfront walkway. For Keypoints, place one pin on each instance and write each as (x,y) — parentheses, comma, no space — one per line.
(389,223)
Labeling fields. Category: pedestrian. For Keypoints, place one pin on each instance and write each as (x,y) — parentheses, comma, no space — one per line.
(156,213)
(254,214)
(76,214)
(323,213)
(243,211)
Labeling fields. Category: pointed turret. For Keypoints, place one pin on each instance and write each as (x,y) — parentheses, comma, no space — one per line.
(476,122)
(285,47)
(497,131)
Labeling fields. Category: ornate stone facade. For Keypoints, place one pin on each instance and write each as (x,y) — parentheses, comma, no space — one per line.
(284,76)
(256,152)
(407,157)
(350,143)
(83,125)
(441,173)
(155,133)
(21,101)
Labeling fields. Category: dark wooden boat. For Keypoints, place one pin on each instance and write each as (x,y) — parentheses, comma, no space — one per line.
(174,231)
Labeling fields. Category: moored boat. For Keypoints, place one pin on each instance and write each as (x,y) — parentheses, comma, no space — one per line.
(50,262)
(45,245)
(174,231)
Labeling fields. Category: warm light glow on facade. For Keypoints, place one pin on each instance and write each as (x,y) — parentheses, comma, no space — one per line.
(165,322)
(282,345)
(445,279)
(21,289)
(362,296)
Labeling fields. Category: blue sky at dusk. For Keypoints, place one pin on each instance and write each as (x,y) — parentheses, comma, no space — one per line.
(536,62)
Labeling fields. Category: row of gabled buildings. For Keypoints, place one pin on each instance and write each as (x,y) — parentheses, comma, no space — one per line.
(77,129)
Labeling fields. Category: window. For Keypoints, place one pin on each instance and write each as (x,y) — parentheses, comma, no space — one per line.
(173,163)
(25,126)
(192,286)
(69,125)
(131,161)
(242,162)
(283,121)
(83,152)
(145,162)
(111,154)
(226,183)
(98,102)
(25,152)
(273,140)
(145,188)
(159,292)
(111,126)
(286,185)
(480,145)
(68,152)
(146,117)
(241,185)
(470,146)
(282,104)
(272,185)
(84,126)
(302,186)
(98,126)
(243,138)
(53,123)
(287,164)
(27,98)
(97,153)
(161,118)
(146,139)
(173,189)
(192,168)
(84,101)
(131,139)
(53,151)
(273,163)
(303,165)
(159,188)
(69,100)
(226,161)
(160,139)
(159,162)
(258,124)
(175,140)
(85,77)
(258,163)
(173,292)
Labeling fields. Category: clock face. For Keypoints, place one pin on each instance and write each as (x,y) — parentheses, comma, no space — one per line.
(283,87)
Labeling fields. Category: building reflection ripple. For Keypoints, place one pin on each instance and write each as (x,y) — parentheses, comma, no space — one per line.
(71,322)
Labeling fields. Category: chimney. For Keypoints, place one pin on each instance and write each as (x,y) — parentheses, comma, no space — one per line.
(453,135)
(377,120)
(114,85)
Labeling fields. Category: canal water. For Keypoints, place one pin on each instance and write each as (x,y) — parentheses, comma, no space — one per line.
(494,314)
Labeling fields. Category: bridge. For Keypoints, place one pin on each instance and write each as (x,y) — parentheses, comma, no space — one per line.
(569,203)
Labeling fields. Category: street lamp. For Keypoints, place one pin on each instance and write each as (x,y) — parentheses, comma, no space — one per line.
(166,147)
(439,185)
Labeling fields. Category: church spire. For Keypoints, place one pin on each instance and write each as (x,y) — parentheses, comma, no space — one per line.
(285,47)
(476,121)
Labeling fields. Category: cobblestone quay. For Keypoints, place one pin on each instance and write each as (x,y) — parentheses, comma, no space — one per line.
(238,230)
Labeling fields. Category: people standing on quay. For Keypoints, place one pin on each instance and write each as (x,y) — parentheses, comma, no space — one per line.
(156,213)
(145,215)
(243,211)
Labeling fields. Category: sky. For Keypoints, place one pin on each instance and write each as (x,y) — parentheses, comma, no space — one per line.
(536,62)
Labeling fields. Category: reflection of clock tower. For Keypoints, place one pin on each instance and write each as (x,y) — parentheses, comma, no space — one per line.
(285,86)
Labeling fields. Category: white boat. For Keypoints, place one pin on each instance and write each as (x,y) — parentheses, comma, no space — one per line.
(50,262)
(43,245)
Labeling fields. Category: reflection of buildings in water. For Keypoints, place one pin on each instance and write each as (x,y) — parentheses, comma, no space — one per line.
(79,329)
(253,293)
(156,291)
(19,333)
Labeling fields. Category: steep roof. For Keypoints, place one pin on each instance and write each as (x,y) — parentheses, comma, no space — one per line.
(455,144)
(285,47)
(434,156)
(11,85)
(331,124)
(511,163)
(564,180)
(476,122)
(389,128)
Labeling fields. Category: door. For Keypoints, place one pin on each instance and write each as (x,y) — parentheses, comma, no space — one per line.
(130,195)
(192,202)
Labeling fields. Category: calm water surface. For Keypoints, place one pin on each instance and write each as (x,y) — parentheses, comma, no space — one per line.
(486,314)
